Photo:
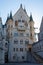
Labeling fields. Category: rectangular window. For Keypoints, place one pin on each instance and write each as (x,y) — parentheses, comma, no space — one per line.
(19,20)
(26,41)
(27,34)
(21,49)
(16,41)
(16,49)
(22,57)
(31,34)
(6,45)
(16,23)
(25,49)
(21,41)
(23,21)
(13,57)
(21,34)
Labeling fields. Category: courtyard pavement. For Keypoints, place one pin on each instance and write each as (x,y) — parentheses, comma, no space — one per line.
(21,64)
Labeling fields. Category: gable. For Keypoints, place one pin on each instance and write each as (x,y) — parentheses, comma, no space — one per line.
(21,14)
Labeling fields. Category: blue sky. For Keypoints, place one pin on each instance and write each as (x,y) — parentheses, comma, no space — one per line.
(32,6)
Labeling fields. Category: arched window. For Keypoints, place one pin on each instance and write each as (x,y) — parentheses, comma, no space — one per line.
(26,41)
(15,41)
(6,45)
(21,41)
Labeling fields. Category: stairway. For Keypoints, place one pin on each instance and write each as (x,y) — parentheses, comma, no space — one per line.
(38,58)
(31,58)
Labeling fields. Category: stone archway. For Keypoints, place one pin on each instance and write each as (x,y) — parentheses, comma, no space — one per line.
(29,47)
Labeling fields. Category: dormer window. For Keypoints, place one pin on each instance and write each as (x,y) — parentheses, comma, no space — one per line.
(15,41)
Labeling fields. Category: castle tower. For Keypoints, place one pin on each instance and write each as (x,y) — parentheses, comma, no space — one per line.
(0,28)
(9,26)
(31,28)
(1,44)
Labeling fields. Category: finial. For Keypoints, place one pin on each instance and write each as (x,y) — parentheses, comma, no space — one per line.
(31,19)
(11,15)
(20,5)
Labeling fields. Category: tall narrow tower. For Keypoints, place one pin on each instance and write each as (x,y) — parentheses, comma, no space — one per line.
(0,28)
(31,28)
(9,26)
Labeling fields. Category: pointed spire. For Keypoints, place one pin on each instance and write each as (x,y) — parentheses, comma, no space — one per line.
(8,18)
(0,19)
(11,15)
(24,9)
(20,5)
(31,19)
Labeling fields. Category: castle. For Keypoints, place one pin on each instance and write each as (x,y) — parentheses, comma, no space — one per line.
(16,36)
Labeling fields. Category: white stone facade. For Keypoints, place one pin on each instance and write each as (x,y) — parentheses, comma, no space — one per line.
(16,36)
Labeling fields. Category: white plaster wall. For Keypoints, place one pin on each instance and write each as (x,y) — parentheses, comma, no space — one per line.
(17,53)
(2,60)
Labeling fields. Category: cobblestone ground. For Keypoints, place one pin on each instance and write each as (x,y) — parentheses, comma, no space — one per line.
(21,64)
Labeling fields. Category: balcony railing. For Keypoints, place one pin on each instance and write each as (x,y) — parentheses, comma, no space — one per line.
(21,28)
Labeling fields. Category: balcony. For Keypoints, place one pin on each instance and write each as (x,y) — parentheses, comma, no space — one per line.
(21,28)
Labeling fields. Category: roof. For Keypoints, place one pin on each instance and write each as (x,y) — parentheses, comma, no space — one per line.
(9,17)
(21,14)
(31,19)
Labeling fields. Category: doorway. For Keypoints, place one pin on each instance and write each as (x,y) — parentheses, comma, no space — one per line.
(6,57)
(29,49)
